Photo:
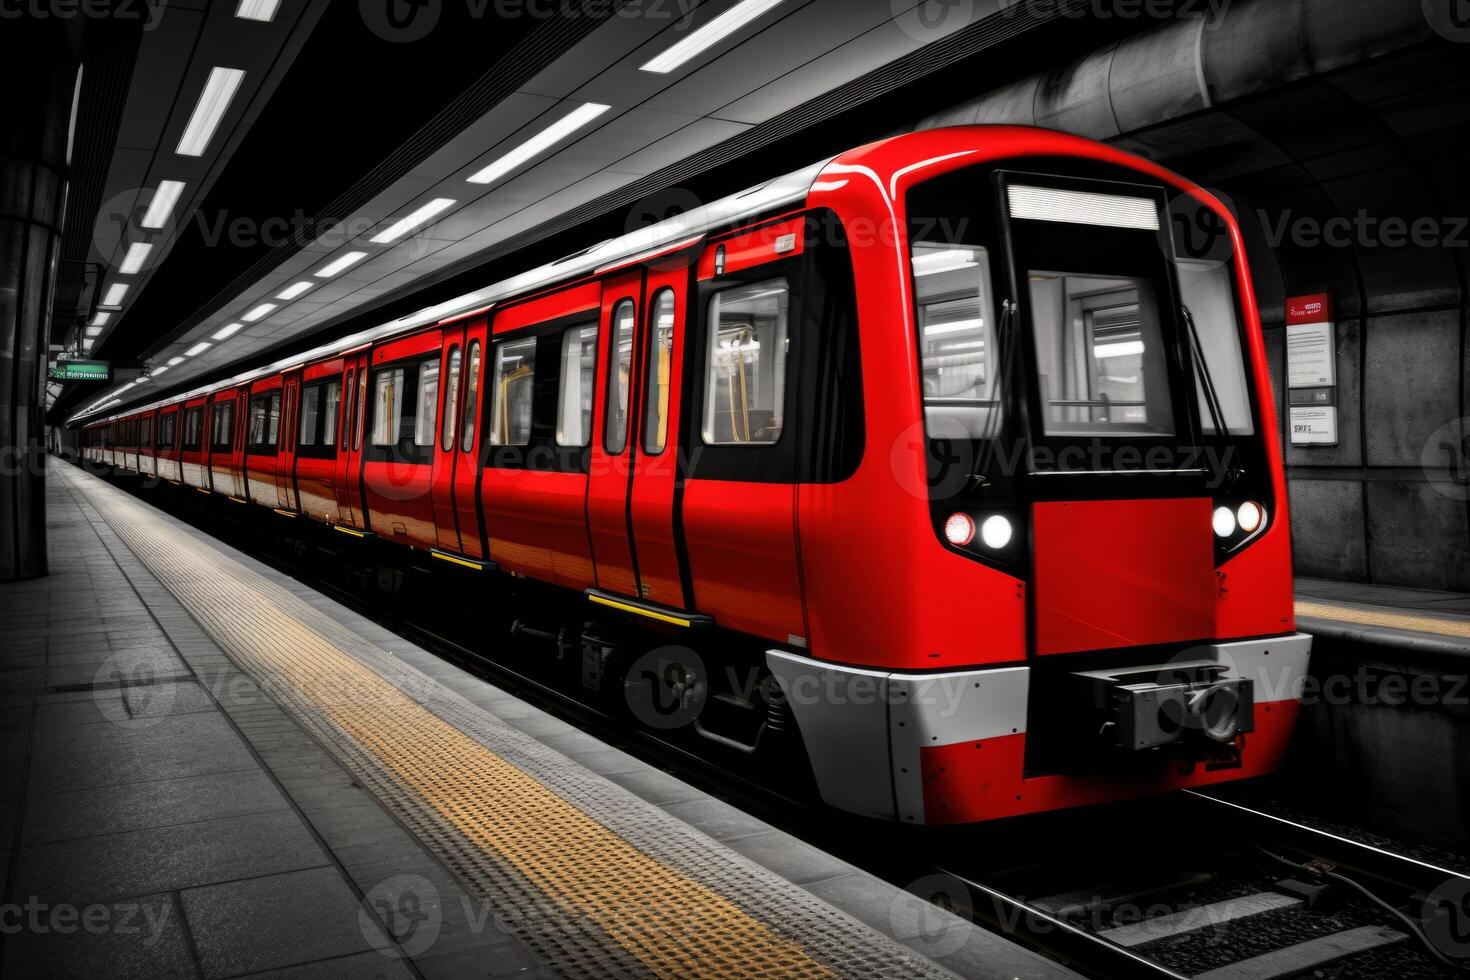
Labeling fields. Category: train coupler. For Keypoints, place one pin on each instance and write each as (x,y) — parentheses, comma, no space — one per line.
(1197,704)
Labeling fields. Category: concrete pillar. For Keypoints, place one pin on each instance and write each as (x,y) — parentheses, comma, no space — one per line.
(38,76)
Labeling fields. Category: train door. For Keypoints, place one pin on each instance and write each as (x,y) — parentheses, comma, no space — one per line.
(286,446)
(652,490)
(467,465)
(237,458)
(446,439)
(349,448)
(612,441)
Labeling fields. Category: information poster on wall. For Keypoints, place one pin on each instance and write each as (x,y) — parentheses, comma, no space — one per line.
(1311,370)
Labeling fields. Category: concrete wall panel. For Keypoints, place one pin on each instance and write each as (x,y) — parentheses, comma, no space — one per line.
(1413,382)
(1327,529)
(1418,536)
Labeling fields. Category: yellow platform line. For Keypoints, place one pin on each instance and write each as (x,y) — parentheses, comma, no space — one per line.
(675,926)
(1392,620)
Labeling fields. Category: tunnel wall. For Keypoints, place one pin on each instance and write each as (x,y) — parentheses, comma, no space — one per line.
(1302,115)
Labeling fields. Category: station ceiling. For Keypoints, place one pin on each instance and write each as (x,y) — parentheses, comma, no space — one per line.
(366,168)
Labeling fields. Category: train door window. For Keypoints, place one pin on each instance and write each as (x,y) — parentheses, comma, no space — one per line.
(660,363)
(147,432)
(514,389)
(428,402)
(745,364)
(956,320)
(331,406)
(359,409)
(472,398)
(620,371)
(1100,354)
(224,426)
(167,428)
(578,367)
(387,407)
(194,428)
(311,406)
(451,401)
(265,422)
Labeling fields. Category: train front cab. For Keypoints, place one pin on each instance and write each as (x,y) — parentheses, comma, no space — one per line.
(1061,574)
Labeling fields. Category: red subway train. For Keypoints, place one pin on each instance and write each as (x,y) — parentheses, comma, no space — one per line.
(962,442)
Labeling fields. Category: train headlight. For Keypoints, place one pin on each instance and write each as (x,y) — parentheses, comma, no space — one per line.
(1223,522)
(959,530)
(1249,515)
(996,532)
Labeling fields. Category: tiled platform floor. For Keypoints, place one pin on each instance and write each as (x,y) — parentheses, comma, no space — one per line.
(161,815)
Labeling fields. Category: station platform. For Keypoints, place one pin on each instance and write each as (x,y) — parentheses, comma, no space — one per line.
(211,770)
(1410,620)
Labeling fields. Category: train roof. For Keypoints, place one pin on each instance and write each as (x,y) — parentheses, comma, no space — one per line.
(686,228)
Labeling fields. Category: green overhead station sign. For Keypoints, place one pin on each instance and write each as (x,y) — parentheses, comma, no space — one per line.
(80,371)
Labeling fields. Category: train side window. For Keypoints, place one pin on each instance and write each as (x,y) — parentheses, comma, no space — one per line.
(660,364)
(428,402)
(472,399)
(224,426)
(451,401)
(311,406)
(513,392)
(745,364)
(387,407)
(620,373)
(578,366)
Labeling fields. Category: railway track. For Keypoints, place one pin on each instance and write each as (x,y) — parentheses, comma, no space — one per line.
(1195,886)
(1280,899)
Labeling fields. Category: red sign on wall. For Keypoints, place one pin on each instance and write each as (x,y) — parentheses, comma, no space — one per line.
(1316,308)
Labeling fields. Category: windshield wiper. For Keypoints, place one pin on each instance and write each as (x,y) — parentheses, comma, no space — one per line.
(978,481)
(1233,471)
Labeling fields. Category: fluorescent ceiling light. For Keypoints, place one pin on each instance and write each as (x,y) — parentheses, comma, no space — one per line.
(339,264)
(137,255)
(101,318)
(959,326)
(1083,208)
(115,294)
(219,90)
(709,35)
(411,221)
(159,370)
(947,260)
(291,292)
(93,331)
(172,361)
(1121,349)
(87,344)
(262,10)
(541,142)
(260,312)
(163,203)
(228,331)
(198,349)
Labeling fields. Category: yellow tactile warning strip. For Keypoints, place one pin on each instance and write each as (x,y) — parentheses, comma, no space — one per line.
(1391,620)
(606,906)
